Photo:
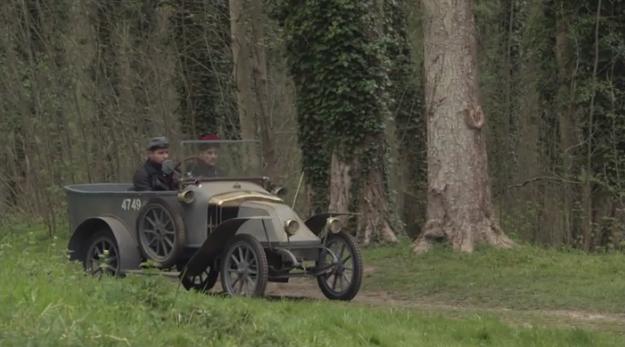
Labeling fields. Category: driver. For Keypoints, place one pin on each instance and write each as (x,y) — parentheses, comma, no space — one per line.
(206,165)
(157,173)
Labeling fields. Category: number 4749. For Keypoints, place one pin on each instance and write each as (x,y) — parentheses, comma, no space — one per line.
(131,204)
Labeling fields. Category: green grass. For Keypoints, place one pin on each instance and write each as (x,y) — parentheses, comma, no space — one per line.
(47,301)
(521,278)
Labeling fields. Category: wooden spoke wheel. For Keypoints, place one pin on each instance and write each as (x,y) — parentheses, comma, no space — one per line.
(102,256)
(244,269)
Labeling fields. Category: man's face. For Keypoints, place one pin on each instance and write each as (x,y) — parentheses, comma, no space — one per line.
(209,156)
(158,156)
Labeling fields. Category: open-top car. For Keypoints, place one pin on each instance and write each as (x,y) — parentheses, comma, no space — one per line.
(226,220)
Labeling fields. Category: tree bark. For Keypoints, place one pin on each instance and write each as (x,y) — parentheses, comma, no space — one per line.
(371,200)
(588,188)
(204,97)
(459,199)
(250,73)
(340,185)
(567,119)
(373,221)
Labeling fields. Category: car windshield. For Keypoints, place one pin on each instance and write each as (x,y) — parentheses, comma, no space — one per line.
(221,158)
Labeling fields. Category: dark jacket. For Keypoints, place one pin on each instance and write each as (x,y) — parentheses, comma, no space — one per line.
(150,176)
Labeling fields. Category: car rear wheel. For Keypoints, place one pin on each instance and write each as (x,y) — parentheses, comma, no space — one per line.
(244,269)
(102,256)
(161,233)
(343,260)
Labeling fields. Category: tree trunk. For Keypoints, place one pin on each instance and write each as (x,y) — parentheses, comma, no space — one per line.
(204,97)
(405,127)
(340,185)
(371,200)
(250,74)
(567,123)
(373,221)
(459,199)
(588,188)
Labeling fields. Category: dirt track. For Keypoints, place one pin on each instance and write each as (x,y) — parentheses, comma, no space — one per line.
(307,289)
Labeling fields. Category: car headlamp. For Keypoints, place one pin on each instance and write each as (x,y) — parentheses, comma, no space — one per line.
(291,226)
(186,196)
(334,225)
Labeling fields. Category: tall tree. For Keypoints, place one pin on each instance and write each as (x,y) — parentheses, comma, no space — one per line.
(202,39)
(406,107)
(335,54)
(250,73)
(459,199)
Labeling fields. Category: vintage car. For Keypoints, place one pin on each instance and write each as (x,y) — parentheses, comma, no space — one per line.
(230,224)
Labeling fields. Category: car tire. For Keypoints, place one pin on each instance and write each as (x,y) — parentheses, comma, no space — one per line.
(244,268)
(344,279)
(102,256)
(160,233)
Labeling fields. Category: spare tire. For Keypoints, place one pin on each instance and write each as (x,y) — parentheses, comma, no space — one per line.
(161,233)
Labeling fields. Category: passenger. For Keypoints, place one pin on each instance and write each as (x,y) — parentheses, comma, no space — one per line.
(157,173)
(206,166)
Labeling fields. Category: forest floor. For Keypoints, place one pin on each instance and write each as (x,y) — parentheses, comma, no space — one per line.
(522,297)
(527,286)
(305,290)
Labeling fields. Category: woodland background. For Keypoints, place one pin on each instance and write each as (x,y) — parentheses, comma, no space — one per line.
(83,84)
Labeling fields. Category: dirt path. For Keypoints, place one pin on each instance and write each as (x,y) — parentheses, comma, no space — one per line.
(307,289)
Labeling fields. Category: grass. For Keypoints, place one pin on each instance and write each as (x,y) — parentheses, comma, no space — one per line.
(47,301)
(521,278)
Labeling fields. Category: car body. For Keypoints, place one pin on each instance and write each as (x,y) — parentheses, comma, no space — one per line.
(233,226)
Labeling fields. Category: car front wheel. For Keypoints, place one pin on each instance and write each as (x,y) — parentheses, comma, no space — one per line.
(343,261)
(244,269)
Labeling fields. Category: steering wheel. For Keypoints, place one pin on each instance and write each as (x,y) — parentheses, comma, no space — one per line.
(170,167)
(193,158)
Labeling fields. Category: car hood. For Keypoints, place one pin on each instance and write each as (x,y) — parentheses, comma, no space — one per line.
(231,193)
(236,198)
(278,214)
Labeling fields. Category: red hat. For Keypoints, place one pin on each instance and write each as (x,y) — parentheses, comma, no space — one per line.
(210,137)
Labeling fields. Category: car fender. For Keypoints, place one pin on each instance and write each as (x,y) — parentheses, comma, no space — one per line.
(215,244)
(128,247)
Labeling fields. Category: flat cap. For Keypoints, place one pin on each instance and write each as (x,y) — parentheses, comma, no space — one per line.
(159,142)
